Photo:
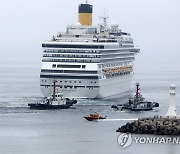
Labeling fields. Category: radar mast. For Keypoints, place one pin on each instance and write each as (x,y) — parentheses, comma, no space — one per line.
(104,18)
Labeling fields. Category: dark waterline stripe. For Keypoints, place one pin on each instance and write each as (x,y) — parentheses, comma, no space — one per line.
(68,71)
(68,77)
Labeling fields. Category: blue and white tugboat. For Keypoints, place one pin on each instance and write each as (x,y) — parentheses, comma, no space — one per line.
(138,103)
(56,101)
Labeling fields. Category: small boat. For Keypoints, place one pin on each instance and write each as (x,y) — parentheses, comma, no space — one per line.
(94,116)
(56,101)
(138,103)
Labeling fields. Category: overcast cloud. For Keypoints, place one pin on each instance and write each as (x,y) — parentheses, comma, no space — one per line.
(154,24)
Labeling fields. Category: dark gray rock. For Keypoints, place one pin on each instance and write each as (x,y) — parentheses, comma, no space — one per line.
(153,125)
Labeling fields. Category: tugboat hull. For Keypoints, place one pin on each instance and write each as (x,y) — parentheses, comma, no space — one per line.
(45,106)
(48,107)
(126,106)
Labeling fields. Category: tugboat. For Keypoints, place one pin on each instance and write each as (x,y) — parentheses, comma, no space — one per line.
(94,116)
(56,101)
(138,103)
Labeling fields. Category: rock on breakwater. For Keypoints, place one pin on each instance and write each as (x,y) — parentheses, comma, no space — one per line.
(156,125)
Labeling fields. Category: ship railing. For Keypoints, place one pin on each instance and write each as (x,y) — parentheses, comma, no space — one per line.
(75,40)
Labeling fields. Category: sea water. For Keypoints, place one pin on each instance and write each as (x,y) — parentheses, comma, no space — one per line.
(25,131)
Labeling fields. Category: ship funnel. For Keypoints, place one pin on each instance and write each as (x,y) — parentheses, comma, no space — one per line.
(85,14)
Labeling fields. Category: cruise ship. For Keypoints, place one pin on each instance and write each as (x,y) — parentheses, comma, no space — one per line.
(88,61)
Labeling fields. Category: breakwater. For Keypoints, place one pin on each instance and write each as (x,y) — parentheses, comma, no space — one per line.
(156,125)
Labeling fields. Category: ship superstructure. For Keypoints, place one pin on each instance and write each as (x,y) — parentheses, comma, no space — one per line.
(88,61)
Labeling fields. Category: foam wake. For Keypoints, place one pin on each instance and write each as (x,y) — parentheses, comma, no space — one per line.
(120,119)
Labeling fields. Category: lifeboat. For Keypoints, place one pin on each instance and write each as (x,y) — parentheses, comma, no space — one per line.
(93,117)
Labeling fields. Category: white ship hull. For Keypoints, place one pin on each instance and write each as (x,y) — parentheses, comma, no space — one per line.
(107,88)
(115,86)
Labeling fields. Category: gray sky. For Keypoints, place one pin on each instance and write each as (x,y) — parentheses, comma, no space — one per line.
(153,24)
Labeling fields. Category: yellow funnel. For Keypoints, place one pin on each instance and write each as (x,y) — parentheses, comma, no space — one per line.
(85,14)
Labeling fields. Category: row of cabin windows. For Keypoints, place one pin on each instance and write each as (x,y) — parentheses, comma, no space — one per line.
(117,59)
(117,74)
(71,81)
(80,51)
(107,40)
(65,81)
(69,71)
(83,51)
(68,66)
(87,61)
(124,41)
(116,55)
(75,87)
(115,64)
(71,60)
(73,46)
(69,77)
(126,45)
(71,51)
(71,56)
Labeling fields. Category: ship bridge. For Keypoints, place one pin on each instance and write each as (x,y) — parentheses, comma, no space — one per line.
(82,30)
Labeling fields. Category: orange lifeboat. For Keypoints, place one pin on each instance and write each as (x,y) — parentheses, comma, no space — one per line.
(94,116)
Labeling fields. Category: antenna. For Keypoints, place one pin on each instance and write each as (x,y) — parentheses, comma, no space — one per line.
(54,89)
(104,18)
(137,90)
(86,1)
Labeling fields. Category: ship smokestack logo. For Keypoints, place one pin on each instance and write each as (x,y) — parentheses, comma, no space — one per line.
(85,14)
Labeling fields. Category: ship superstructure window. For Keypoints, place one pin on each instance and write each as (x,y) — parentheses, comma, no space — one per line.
(79,72)
(68,66)
(92,30)
(53,65)
(83,66)
(47,86)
